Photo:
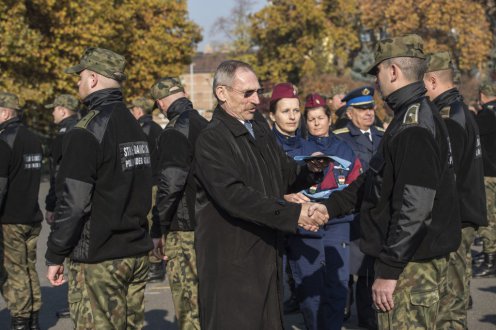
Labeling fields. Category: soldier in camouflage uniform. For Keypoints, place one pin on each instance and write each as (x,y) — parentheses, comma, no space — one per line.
(20,215)
(408,223)
(104,189)
(486,119)
(175,216)
(465,145)
(142,108)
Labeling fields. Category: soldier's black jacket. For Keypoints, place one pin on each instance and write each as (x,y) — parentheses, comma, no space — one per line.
(54,156)
(103,186)
(406,197)
(466,147)
(20,173)
(176,193)
(486,119)
(152,131)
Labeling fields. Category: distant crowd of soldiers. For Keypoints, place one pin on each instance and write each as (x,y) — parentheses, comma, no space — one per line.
(382,214)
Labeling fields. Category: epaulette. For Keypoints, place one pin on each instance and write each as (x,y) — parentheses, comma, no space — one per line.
(411,115)
(445,112)
(341,130)
(85,121)
(380,129)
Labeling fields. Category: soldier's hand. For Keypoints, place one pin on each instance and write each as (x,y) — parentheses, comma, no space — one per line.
(55,275)
(382,294)
(158,248)
(49,217)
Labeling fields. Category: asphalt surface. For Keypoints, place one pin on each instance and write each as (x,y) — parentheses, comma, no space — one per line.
(159,310)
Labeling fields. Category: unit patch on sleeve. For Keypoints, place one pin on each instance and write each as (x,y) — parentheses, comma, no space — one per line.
(32,161)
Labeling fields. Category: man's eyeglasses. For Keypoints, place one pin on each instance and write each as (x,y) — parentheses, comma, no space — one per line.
(248,93)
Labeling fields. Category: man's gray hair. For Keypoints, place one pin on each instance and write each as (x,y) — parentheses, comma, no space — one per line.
(224,75)
(413,68)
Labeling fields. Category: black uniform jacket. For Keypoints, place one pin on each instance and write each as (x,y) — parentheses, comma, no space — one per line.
(103,186)
(152,131)
(408,193)
(54,156)
(241,221)
(486,119)
(466,147)
(176,193)
(20,172)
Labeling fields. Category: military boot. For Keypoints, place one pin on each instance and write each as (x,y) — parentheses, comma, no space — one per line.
(487,268)
(156,272)
(19,323)
(34,322)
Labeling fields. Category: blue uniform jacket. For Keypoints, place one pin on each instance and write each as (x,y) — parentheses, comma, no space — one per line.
(292,145)
(361,145)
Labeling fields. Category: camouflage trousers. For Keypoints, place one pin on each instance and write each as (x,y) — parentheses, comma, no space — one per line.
(488,234)
(153,258)
(109,294)
(416,297)
(19,281)
(454,301)
(183,278)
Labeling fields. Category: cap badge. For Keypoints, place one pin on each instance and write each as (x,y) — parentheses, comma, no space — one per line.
(365,91)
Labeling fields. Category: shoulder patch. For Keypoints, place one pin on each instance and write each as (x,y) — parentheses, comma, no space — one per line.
(85,121)
(380,129)
(411,115)
(341,130)
(445,112)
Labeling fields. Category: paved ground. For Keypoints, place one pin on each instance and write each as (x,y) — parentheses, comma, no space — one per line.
(160,311)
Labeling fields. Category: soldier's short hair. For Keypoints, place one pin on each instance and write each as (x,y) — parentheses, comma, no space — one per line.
(413,68)
(224,75)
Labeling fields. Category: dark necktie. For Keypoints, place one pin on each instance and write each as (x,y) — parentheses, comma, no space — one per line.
(249,127)
(367,134)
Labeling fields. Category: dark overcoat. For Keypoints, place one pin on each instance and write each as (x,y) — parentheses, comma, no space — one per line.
(241,220)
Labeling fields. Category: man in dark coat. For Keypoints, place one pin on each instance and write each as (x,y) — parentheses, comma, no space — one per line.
(241,216)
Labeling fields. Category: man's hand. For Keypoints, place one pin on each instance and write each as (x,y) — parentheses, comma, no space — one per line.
(55,275)
(382,294)
(49,217)
(298,198)
(316,207)
(319,165)
(313,221)
(158,248)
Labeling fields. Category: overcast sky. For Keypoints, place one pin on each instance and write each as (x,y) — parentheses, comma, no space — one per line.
(205,12)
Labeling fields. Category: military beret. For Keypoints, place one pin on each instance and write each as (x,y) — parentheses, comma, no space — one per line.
(165,87)
(488,88)
(362,98)
(410,45)
(439,61)
(102,61)
(64,100)
(143,103)
(314,100)
(9,100)
(284,91)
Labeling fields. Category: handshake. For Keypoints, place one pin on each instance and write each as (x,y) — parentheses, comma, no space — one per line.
(313,216)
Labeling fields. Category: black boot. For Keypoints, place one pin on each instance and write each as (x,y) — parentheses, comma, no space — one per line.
(34,322)
(488,267)
(63,313)
(156,272)
(478,259)
(19,323)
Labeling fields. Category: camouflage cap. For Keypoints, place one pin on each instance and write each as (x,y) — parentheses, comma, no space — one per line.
(165,87)
(9,100)
(410,45)
(64,100)
(439,61)
(102,61)
(143,103)
(488,88)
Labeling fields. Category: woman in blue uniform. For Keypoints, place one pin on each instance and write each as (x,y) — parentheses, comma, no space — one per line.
(319,261)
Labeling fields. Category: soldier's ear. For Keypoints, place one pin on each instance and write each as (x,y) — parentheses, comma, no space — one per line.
(221,94)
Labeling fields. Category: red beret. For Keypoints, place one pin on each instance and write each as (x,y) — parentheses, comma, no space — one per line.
(314,101)
(284,91)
